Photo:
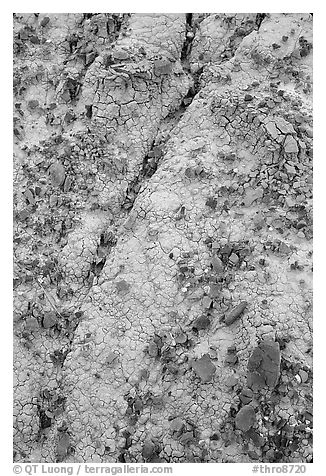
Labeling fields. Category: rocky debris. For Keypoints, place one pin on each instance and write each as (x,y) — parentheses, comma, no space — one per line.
(235,313)
(217,264)
(231,355)
(31,324)
(231,381)
(191,137)
(122,286)
(63,445)
(264,365)
(177,425)
(245,418)
(49,319)
(57,174)
(204,368)
(202,323)
(246,395)
(149,450)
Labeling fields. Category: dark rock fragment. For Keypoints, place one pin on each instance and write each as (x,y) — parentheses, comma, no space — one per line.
(231,359)
(204,368)
(49,319)
(234,259)
(122,286)
(187,438)
(235,313)
(63,445)
(44,21)
(231,381)
(149,450)
(248,97)
(177,425)
(245,418)
(211,202)
(246,395)
(153,349)
(217,264)
(255,437)
(201,323)
(57,174)
(33,103)
(31,324)
(264,365)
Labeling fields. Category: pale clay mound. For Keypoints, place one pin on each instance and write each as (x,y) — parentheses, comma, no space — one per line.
(163,238)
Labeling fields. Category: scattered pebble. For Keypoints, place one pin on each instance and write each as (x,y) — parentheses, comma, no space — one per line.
(245,418)
(204,368)
(235,313)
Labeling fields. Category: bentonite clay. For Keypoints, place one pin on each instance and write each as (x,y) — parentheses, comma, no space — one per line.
(162,238)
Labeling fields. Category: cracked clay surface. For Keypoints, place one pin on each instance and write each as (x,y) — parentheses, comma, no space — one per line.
(162,238)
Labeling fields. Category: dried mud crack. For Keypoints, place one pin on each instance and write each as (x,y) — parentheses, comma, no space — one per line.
(162,237)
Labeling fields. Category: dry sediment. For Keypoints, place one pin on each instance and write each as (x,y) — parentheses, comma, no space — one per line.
(163,237)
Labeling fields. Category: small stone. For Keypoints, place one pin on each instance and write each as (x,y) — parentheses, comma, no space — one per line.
(138,405)
(53,200)
(122,286)
(304,376)
(290,145)
(49,319)
(234,259)
(63,445)
(206,302)
(285,38)
(272,130)
(231,359)
(112,356)
(231,349)
(148,450)
(197,294)
(252,196)
(44,21)
(248,97)
(153,349)
(33,103)
(67,184)
(235,313)
(29,197)
(24,214)
(253,455)
(246,395)
(214,291)
(189,172)
(177,425)
(245,418)
(231,381)
(187,438)
(181,338)
(35,40)
(201,323)
(31,324)
(284,126)
(211,202)
(264,365)
(57,174)
(204,368)
(217,264)
(120,54)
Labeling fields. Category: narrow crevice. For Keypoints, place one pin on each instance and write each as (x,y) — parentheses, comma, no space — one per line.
(259,19)
(190,34)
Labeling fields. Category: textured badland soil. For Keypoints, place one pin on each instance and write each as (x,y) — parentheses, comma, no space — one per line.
(162,237)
